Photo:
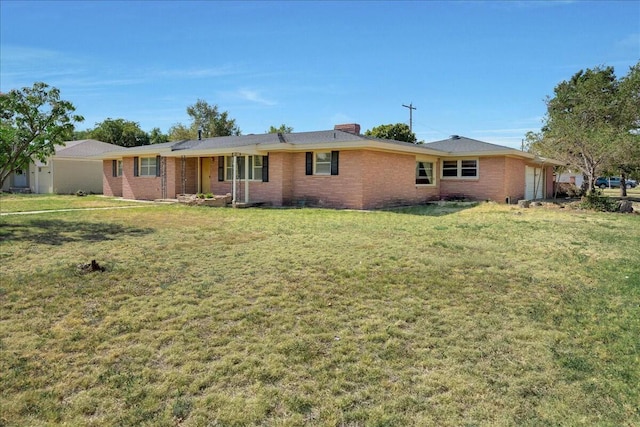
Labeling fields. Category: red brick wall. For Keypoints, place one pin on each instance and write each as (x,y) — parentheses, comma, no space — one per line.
(111,185)
(337,191)
(550,181)
(366,180)
(514,179)
(390,179)
(138,187)
(488,186)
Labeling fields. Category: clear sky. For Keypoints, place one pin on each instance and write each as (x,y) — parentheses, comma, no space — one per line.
(481,69)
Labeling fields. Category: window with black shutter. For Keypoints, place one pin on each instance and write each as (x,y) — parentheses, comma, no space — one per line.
(220,168)
(334,162)
(309,163)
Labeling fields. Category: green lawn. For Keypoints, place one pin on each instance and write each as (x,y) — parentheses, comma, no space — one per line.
(44,202)
(469,315)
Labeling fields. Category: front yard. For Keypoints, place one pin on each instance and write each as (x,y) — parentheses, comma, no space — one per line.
(467,315)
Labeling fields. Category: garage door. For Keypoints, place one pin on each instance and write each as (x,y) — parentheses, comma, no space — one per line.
(533,183)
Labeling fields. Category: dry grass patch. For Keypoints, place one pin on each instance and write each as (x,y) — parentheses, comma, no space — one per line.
(423,316)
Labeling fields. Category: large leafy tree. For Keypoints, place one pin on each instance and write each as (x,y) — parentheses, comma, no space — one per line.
(120,132)
(591,122)
(206,118)
(157,137)
(33,121)
(282,129)
(397,132)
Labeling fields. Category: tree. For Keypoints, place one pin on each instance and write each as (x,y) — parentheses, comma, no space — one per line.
(206,118)
(282,129)
(590,122)
(157,137)
(33,121)
(120,132)
(397,132)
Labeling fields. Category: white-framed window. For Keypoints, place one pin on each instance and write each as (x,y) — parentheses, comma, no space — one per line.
(424,173)
(147,166)
(322,163)
(461,168)
(255,168)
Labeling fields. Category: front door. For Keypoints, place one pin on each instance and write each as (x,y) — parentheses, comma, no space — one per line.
(205,175)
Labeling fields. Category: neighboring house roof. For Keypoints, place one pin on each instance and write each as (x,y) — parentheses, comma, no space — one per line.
(84,148)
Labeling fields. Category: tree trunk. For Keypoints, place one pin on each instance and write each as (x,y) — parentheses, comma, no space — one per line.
(623,185)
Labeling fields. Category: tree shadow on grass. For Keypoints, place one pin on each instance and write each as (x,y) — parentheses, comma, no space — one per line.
(57,232)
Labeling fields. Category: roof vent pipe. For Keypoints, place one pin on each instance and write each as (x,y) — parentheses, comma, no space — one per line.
(455,136)
(200,134)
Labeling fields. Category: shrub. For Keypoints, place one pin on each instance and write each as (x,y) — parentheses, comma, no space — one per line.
(597,202)
(568,190)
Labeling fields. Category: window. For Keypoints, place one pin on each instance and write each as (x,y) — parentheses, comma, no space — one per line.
(424,173)
(255,168)
(119,168)
(322,163)
(147,166)
(465,168)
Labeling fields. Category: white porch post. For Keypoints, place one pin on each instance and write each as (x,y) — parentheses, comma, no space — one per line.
(246,179)
(233,181)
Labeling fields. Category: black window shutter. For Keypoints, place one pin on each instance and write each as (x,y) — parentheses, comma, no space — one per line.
(220,168)
(265,168)
(114,168)
(157,165)
(334,162)
(309,163)
(135,166)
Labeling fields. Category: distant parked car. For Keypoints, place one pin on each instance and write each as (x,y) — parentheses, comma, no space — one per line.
(614,182)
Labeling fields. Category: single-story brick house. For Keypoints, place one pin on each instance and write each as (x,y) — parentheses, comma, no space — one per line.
(71,168)
(337,168)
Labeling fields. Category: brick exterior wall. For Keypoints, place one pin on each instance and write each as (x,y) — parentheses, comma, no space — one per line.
(550,182)
(111,185)
(336,191)
(367,179)
(514,179)
(488,186)
(389,179)
(139,187)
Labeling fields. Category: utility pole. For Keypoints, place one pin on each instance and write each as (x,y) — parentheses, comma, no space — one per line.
(411,108)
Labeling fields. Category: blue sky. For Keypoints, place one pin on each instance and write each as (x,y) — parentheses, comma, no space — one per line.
(481,69)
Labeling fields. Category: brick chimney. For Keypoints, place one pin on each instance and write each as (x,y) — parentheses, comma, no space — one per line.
(353,128)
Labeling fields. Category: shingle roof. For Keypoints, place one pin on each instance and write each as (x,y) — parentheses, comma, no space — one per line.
(460,144)
(85,148)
